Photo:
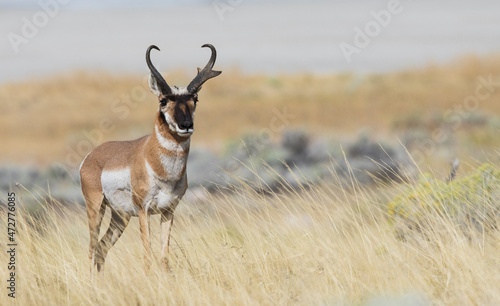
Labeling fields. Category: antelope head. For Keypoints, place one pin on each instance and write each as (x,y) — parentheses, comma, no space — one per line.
(178,105)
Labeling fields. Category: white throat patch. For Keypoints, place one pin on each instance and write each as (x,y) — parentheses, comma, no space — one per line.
(171,145)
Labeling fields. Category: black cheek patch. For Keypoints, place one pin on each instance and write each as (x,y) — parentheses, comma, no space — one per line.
(162,115)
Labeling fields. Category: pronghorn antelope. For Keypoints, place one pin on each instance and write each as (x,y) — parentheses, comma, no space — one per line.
(143,176)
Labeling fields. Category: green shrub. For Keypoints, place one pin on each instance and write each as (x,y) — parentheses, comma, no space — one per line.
(471,201)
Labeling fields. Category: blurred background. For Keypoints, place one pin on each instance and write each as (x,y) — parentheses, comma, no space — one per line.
(308,84)
(319,166)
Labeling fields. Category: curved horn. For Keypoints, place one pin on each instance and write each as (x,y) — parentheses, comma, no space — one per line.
(160,81)
(206,73)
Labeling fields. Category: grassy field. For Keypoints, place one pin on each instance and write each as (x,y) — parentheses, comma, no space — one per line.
(326,245)
(41,120)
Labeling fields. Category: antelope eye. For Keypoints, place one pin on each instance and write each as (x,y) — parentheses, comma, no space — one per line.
(163,102)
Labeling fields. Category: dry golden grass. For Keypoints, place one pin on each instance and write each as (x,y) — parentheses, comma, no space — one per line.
(40,119)
(325,245)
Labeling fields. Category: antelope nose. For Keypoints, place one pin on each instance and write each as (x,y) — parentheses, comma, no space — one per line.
(184,125)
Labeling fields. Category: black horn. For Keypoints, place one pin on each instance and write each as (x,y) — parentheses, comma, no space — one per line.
(163,86)
(206,73)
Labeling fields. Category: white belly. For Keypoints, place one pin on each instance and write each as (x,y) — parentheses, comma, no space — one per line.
(118,191)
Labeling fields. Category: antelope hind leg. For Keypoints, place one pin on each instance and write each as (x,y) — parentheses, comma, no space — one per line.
(116,228)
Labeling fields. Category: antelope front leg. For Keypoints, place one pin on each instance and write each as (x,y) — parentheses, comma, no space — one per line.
(144,225)
(167,219)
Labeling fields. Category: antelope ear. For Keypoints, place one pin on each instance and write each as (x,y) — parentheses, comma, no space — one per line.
(153,86)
